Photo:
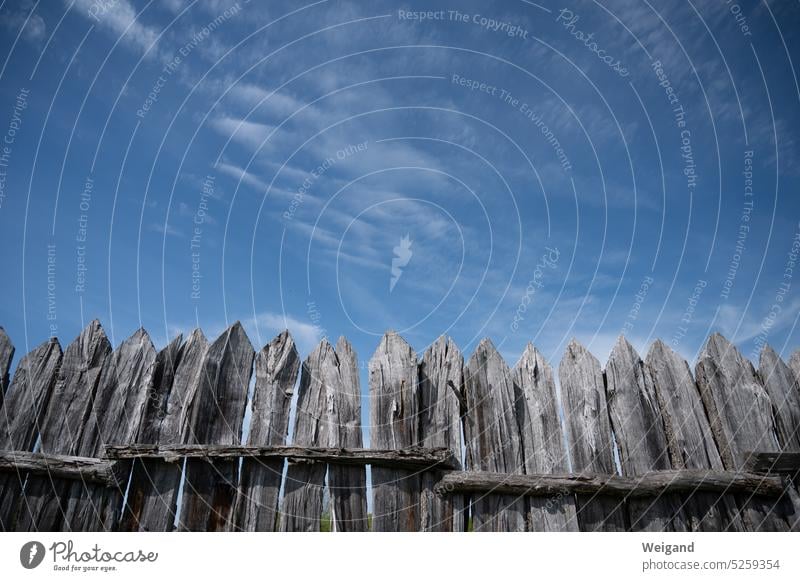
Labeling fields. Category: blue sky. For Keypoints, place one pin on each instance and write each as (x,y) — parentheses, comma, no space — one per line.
(535,171)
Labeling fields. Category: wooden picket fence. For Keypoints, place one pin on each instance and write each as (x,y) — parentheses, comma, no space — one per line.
(135,439)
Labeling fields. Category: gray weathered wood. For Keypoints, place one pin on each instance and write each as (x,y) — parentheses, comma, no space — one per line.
(413,458)
(589,435)
(689,439)
(302,500)
(542,441)
(347,484)
(277,366)
(650,484)
(394,417)
(217,411)
(773,462)
(154,487)
(640,436)
(115,417)
(784,392)
(95,470)
(740,414)
(794,364)
(441,383)
(20,418)
(45,499)
(492,435)
(6,356)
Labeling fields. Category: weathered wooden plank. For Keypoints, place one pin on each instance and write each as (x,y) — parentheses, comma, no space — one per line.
(640,436)
(115,417)
(95,470)
(26,400)
(217,415)
(589,435)
(45,499)
(394,417)
(542,441)
(740,414)
(784,392)
(413,458)
(689,439)
(153,491)
(6,356)
(493,441)
(347,484)
(794,364)
(773,462)
(277,366)
(305,482)
(441,385)
(650,484)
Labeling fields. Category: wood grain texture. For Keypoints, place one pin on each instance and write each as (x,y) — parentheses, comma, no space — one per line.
(394,417)
(347,484)
(740,414)
(441,384)
(115,417)
(21,416)
(542,441)
(217,411)
(794,364)
(493,441)
(45,499)
(650,484)
(773,462)
(589,435)
(305,482)
(784,391)
(639,430)
(6,356)
(277,366)
(152,499)
(95,470)
(689,439)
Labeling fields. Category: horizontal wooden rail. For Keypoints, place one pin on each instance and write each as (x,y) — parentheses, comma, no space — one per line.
(773,462)
(58,466)
(650,484)
(408,458)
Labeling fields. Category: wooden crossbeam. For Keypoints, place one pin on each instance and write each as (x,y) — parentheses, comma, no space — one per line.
(648,485)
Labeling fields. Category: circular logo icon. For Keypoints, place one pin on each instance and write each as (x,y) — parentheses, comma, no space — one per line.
(31,554)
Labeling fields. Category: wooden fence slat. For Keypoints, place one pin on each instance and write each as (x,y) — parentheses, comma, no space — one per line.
(277,366)
(639,431)
(794,363)
(394,417)
(217,415)
(154,486)
(690,442)
(347,484)
(305,482)
(21,415)
(441,384)
(44,502)
(115,418)
(492,435)
(542,441)
(784,390)
(6,356)
(740,414)
(589,435)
